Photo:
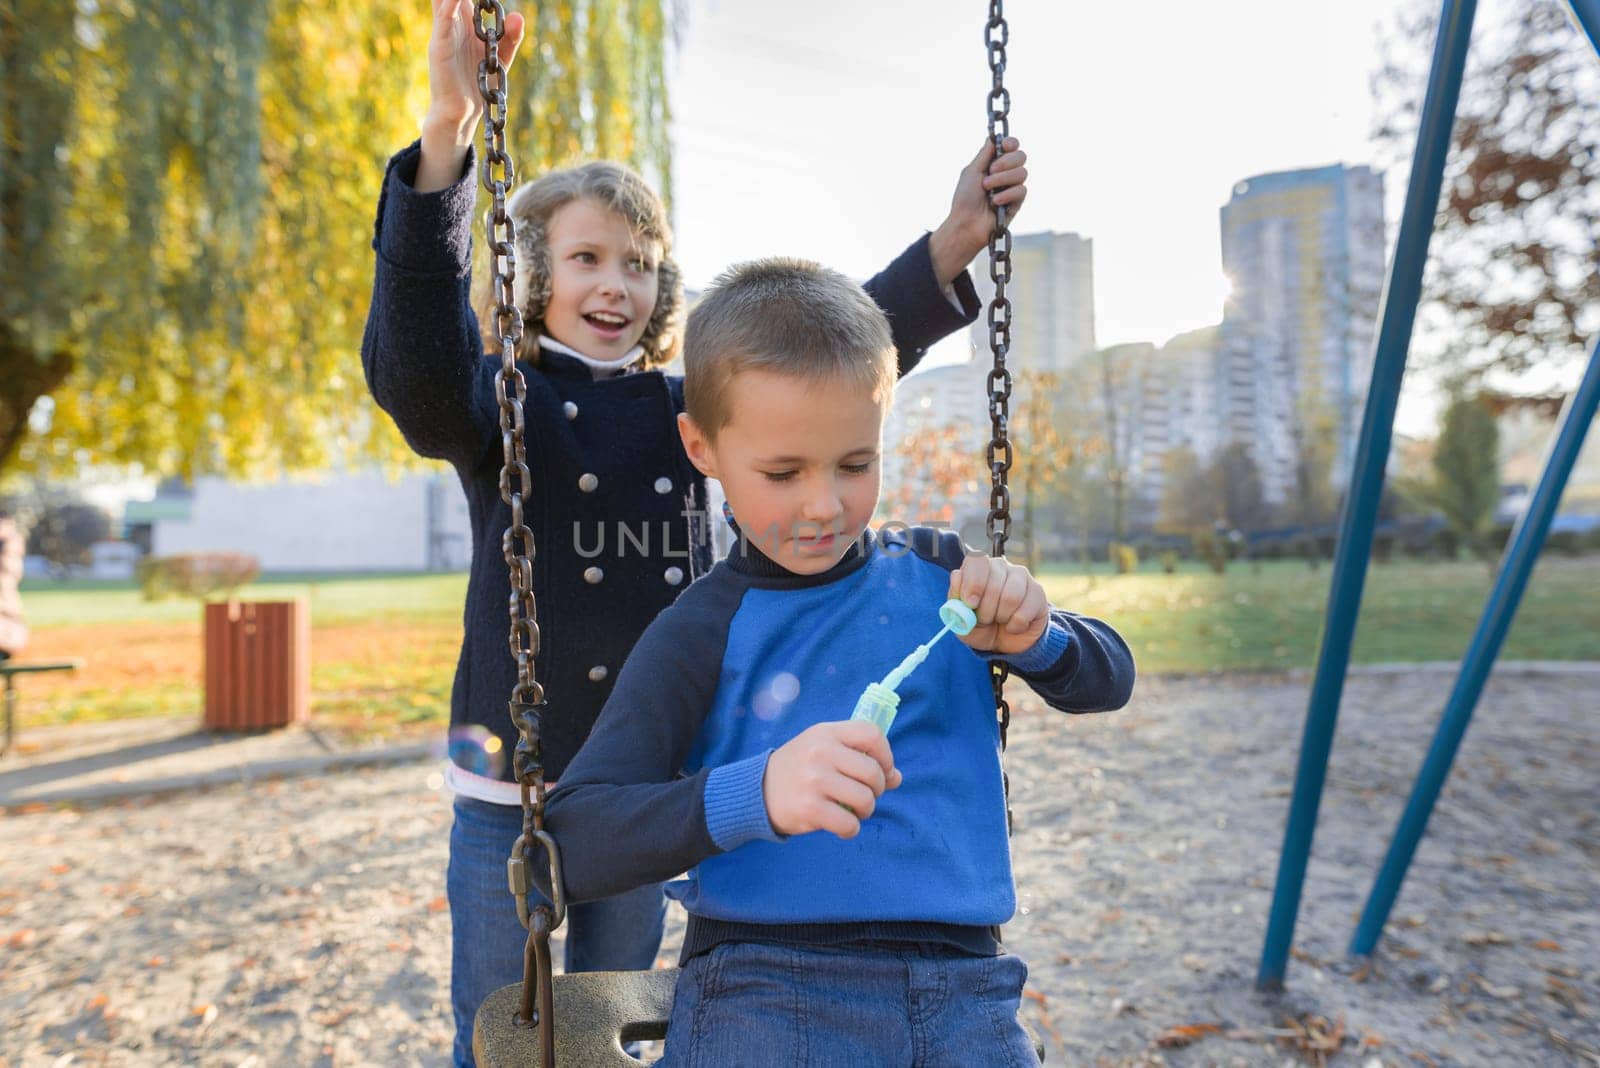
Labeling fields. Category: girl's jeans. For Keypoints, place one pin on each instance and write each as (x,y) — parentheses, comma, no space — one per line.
(621,933)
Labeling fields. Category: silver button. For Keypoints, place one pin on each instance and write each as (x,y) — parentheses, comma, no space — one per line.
(593,575)
(588,483)
(597,673)
(674,575)
(663,485)
(571,410)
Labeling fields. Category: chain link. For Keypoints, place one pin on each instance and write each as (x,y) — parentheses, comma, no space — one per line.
(998,455)
(527,704)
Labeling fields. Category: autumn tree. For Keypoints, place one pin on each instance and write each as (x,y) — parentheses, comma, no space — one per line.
(1234,482)
(1186,502)
(1043,456)
(1466,471)
(1311,501)
(1511,280)
(1116,370)
(187,192)
(938,466)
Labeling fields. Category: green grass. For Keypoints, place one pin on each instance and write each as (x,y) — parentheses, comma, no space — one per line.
(1249,618)
(1270,617)
(383,646)
(337,599)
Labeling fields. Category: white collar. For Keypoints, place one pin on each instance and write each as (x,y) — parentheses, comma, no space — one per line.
(600,368)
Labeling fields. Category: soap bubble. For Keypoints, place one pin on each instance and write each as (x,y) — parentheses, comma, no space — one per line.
(785,687)
(770,702)
(475,748)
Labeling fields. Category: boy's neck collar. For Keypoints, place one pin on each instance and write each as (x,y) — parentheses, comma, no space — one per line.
(747,559)
(598,368)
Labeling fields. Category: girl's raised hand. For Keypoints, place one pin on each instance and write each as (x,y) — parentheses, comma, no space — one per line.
(454,53)
(982,184)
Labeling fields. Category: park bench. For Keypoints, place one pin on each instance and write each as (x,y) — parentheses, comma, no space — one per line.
(9,670)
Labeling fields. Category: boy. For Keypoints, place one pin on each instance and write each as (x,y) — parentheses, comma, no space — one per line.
(727,745)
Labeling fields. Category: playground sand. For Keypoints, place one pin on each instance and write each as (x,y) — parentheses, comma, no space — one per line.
(303,922)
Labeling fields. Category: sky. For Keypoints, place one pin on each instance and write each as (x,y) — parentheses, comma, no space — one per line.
(836,130)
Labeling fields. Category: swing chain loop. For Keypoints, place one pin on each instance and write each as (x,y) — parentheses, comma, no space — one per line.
(527,704)
(998,455)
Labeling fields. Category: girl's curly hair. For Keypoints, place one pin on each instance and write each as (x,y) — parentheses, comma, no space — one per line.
(619,189)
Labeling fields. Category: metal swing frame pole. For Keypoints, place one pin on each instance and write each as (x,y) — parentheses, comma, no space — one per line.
(1359,516)
(1522,552)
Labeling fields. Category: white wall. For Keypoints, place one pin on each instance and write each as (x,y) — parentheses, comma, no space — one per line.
(358,521)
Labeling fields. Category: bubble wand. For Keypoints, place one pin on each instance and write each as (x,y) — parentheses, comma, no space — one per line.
(879,702)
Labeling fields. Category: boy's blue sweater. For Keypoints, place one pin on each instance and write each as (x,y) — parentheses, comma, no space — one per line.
(751,655)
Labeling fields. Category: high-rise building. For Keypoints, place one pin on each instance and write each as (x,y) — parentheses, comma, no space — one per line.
(1052,301)
(1172,392)
(947,407)
(1304,251)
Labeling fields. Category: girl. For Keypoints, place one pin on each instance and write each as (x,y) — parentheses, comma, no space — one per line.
(617,509)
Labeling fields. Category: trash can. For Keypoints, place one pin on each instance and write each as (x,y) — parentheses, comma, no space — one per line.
(257,664)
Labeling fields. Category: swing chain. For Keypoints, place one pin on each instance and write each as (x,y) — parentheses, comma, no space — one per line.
(527,704)
(996,35)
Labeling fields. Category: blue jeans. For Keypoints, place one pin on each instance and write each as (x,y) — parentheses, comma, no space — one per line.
(746,1003)
(621,933)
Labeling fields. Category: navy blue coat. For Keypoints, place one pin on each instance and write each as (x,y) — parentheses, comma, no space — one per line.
(613,489)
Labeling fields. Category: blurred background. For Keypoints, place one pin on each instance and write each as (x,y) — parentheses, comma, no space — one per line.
(187,195)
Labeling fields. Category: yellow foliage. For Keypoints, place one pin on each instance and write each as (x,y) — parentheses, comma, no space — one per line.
(214,236)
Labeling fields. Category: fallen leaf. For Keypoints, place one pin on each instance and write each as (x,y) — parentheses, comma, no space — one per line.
(1487,938)
(1034,995)
(1314,1037)
(21,938)
(155,962)
(1546,944)
(438,904)
(1501,992)
(60,869)
(1177,1037)
(99,1001)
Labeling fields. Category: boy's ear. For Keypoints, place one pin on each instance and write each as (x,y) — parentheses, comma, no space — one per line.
(697,445)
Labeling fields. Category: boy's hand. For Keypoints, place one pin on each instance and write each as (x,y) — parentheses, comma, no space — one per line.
(965,231)
(454,53)
(828,778)
(1012,609)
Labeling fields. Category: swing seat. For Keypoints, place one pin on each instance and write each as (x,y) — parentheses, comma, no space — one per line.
(596,1012)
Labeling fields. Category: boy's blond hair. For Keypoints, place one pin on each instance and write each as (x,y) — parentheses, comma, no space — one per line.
(616,188)
(787,315)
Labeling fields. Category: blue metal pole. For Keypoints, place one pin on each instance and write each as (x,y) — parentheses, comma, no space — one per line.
(1587,14)
(1366,481)
(1521,554)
